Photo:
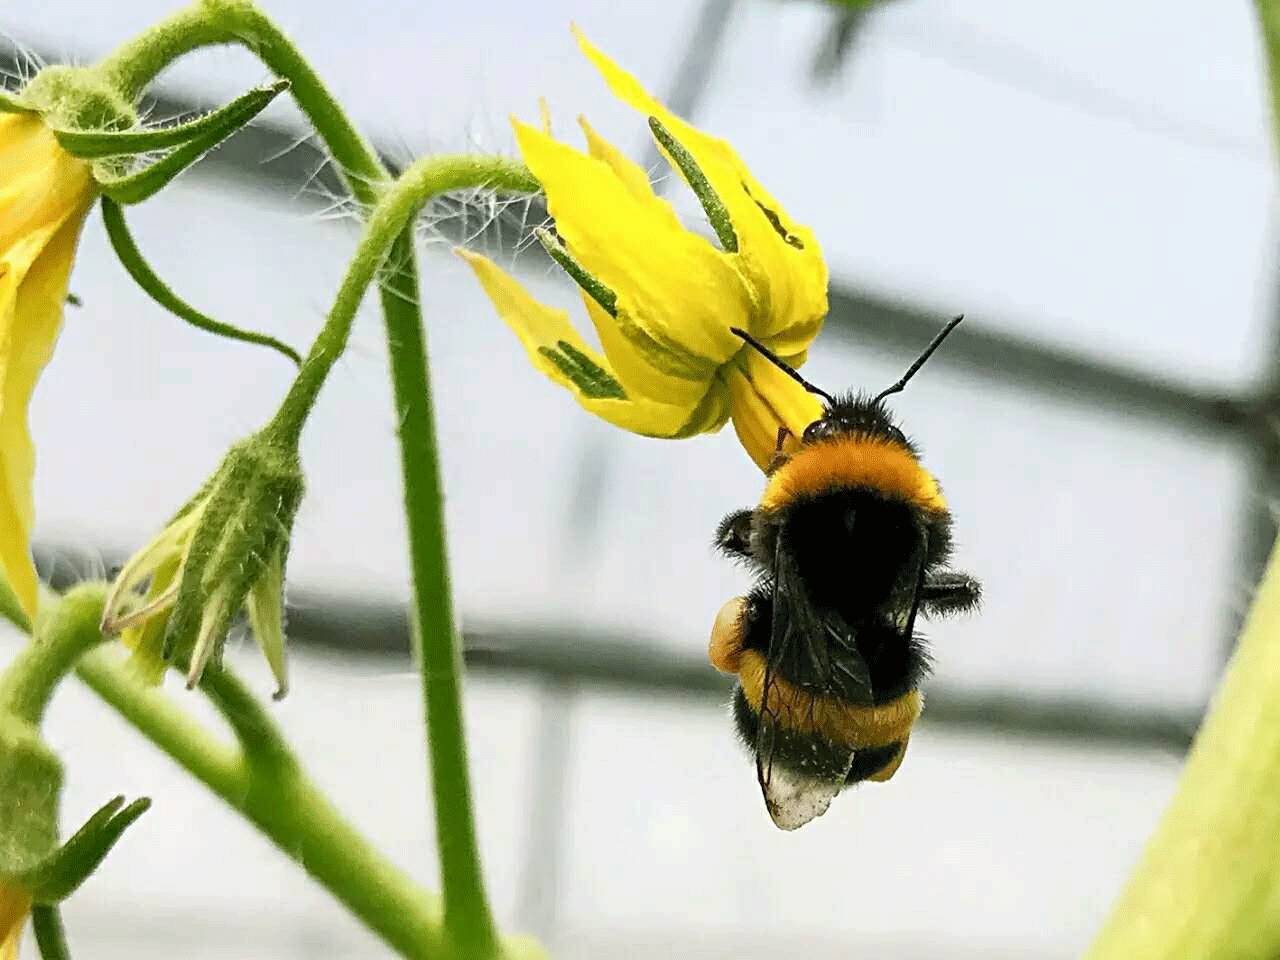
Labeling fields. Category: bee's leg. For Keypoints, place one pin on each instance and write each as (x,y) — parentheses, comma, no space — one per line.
(733,536)
(779,458)
(949,591)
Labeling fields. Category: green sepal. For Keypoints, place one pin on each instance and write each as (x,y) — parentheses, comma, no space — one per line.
(9,103)
(59,874)
(211,128)
(717,213)
(131,259)
(266,617)
(51,937)
(142,184)
(240,543)
(587,375)
(598,292)
(30,789)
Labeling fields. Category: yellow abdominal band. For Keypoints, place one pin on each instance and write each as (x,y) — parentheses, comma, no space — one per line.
(848,724)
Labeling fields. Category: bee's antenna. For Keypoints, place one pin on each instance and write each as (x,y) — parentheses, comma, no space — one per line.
(783,366)
(920,360)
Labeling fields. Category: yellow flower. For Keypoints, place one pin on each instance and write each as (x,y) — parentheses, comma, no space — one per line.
(44,196)
(663,299)
(15,905)
(141,599)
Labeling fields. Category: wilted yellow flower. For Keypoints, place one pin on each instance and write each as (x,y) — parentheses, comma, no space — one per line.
(44,196)
(662,298)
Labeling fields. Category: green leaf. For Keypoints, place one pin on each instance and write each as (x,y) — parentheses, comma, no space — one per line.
(717,213)
(58,875)
(131,257)
(51,938)
(212,128)
(142,184)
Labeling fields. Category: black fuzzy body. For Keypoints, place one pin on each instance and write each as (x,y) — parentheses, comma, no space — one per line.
(842,574)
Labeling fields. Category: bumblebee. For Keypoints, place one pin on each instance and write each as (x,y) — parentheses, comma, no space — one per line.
(850,542)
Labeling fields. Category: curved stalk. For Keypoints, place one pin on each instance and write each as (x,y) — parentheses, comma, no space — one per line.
(211,22)
(274,794)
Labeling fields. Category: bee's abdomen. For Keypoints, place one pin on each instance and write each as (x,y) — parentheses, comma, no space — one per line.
(812,753)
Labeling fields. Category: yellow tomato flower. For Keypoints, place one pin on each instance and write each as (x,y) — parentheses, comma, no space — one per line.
(44,196)
(15,905)
(662,298)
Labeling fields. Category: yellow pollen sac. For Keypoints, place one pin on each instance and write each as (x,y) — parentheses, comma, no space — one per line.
(725,650)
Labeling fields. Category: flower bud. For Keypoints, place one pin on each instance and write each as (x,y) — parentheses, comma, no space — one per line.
(224,552)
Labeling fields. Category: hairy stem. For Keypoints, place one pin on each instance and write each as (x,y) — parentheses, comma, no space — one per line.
(279,800)
(1207,885)
(64,631)
(208,22)
(437,647)
(388,234)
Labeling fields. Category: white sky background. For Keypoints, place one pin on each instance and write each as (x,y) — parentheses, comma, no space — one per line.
(1091,175)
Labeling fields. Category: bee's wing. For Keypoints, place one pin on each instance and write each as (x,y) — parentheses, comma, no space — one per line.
(816,652)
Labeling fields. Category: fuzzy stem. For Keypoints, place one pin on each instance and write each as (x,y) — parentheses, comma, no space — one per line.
(64,631)
(437,646)
(51,937)
(467,916)
(220,22)
(283,803)
(1269,20)
(388,235)
(1208,883)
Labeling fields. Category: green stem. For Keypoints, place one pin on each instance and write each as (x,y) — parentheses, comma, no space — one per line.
(257,732)
(217,22)
(436,642)
(281,802)
(51,937)
(1269,20)
(467,916)
(62,634)
(1207,885)
(388,234)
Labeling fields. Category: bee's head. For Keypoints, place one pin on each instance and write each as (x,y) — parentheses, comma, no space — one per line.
(854,416)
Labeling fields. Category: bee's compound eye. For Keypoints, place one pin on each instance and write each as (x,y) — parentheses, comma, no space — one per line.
(725,649)
(819,429)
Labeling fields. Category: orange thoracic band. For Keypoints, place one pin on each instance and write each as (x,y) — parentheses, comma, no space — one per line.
(853,461)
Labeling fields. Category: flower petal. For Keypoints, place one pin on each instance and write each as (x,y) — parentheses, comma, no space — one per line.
(682,291)
(632,175)
(780,258)
(764,400)
(41,185)
(30,318)
(643,366)
(44,196)
(15,905)
(547,334)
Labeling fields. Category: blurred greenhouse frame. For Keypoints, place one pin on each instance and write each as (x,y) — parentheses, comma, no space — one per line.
(565,665)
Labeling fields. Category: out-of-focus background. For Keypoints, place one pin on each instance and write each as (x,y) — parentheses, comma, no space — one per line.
(1091,183)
